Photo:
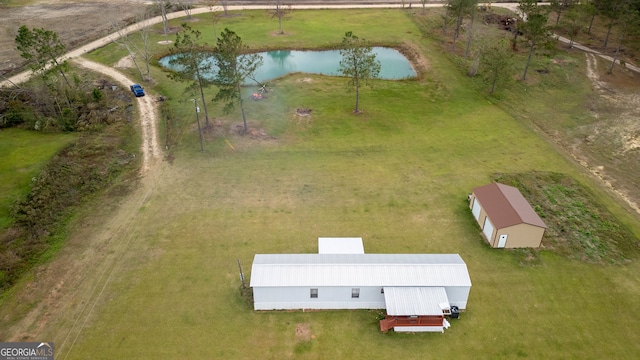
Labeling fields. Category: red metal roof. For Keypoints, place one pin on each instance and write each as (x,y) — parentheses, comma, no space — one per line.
(506,206)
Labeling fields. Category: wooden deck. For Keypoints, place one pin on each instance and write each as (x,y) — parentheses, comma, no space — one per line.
(390,322)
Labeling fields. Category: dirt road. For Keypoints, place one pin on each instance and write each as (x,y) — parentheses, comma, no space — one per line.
(147,109)
(79,12)
(70,286)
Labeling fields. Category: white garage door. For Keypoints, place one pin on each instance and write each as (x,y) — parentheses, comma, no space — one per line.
(487,229)
(475,209)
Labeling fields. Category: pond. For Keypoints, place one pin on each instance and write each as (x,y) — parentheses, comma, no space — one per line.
(277,63)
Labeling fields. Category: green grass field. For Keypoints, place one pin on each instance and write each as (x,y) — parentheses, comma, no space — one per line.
(397,175)
(23,155)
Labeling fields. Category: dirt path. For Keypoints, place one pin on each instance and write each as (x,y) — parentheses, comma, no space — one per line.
(624,129)
(596,53)
(64,293)
(147,110)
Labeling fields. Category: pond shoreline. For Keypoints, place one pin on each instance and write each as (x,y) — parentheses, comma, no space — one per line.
(278,63)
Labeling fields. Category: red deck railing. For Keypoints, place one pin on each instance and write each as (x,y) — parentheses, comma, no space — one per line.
(391,321)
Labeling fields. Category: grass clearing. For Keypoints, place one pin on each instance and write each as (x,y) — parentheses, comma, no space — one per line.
(24,153)
(397,175)
(578,226)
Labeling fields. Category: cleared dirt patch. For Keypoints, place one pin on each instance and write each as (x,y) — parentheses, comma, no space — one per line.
(75,23)
(303,332)
(610,149)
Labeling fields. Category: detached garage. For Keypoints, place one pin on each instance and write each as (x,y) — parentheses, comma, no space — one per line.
(506,218)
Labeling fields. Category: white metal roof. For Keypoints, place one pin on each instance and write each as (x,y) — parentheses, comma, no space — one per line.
(340,245)
(274,270)
(409,301)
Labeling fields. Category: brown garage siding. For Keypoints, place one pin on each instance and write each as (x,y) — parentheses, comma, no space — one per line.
(522,235)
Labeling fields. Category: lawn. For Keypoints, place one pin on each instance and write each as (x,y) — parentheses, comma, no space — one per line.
(24,153)
(397,175)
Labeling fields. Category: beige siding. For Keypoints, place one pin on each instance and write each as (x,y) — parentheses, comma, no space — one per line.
(522,235)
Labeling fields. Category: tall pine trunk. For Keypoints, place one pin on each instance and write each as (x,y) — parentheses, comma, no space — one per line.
(615,58)
(244,118)
(357,94)
(606,39)
(524,75)
(204,103)
(590,24)
(456,33)
(444,22)
(470,37)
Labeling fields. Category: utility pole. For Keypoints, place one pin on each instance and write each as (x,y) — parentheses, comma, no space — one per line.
(241,274)
(195,102)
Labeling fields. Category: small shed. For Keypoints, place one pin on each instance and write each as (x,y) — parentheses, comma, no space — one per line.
(506,218)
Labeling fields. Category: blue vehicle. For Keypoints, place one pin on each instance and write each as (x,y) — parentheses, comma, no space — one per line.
(137,90)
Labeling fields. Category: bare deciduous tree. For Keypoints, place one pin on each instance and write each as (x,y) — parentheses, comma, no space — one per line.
(124,40)
(162,8)
(215,16)
(279,14)
(145,48)
(187,7)
(224,7)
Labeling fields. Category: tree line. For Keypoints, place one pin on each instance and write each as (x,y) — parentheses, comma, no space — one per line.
(536,28)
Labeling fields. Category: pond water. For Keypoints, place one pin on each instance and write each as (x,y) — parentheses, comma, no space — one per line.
(277,63)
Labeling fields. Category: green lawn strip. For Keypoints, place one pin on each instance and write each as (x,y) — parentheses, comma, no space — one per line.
(23,155)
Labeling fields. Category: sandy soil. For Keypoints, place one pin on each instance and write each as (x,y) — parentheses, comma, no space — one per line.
(620,130)
(75,23)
